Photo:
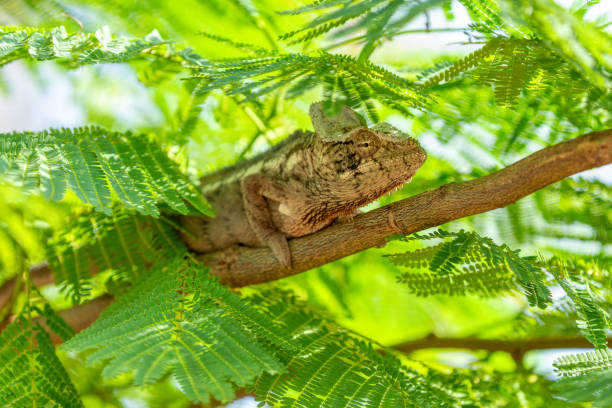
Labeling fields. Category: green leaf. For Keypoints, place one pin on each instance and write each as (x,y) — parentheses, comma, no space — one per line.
(592,322)
(85,175)
(469,263)
(586,377)
(30,373)
(187,324)
(332,368)
(75,49)
(381,19)
(594,386)
(255,77)
(576,364)
(124,242)
(92,160)
(582,43)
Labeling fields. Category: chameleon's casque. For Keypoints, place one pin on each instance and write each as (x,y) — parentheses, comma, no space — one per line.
(303,184)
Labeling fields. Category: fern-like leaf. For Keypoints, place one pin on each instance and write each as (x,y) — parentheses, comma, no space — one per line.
(586,377)
(55,322)
(380,18)
(31,375)
(124,242)
(92,160)
(181,320)
(464,259)
(512,65)
(73,49)
(478,278)
(594,386)
(485,12)
(255,77)
(332,368)
(583,44)
(592,322)
(417,259)
(472,60)
(576,364)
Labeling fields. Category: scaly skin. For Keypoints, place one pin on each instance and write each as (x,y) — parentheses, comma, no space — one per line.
(303,184)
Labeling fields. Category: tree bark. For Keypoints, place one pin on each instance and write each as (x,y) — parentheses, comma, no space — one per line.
(515,347)
(494,345)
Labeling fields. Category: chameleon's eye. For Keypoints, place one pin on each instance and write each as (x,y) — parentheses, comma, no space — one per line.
(365,146)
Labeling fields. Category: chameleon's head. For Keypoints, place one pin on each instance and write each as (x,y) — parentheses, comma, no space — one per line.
(357,164)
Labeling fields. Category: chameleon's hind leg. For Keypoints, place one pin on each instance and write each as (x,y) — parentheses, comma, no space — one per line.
(255,190)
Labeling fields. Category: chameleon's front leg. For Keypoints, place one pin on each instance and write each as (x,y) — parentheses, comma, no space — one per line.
(255,190)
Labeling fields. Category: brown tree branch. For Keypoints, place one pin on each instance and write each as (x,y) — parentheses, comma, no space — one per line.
(516,348)
(511,346)
(241,266)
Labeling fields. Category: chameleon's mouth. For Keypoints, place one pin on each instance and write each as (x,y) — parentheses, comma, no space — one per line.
(388,190)
(396,187)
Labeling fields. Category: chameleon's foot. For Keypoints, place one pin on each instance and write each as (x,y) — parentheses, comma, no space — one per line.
(346,219)
(278,244)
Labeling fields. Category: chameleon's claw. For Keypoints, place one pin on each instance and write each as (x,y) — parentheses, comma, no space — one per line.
(346,219)
(278,244)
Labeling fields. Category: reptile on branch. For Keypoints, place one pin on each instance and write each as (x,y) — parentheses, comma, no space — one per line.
(303,184)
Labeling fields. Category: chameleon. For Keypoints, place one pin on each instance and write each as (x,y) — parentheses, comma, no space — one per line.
(303,184)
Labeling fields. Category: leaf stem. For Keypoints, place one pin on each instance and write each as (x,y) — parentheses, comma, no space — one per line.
(415,31)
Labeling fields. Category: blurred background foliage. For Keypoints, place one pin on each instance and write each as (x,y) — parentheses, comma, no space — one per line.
(469,124)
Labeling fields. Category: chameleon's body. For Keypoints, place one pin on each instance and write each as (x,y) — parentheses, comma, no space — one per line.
(303,184)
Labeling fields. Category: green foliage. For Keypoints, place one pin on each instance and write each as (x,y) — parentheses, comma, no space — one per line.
(331,367)
(582,43)
(189,113)
(586,301)
(549,66)
(591,318)
(587,203)
(74,49)
(594,386)
(469,263)
(213,341)
(345,80)
(482,273)
(182,321)
(436,76)
(89,161)
(24,225)
(524,54)
(576,364)
(479,387)
(125,242)
(513,65)
(381,18)
(485,14)
(55,322)
(30,373)
(586,377)
(479,279)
